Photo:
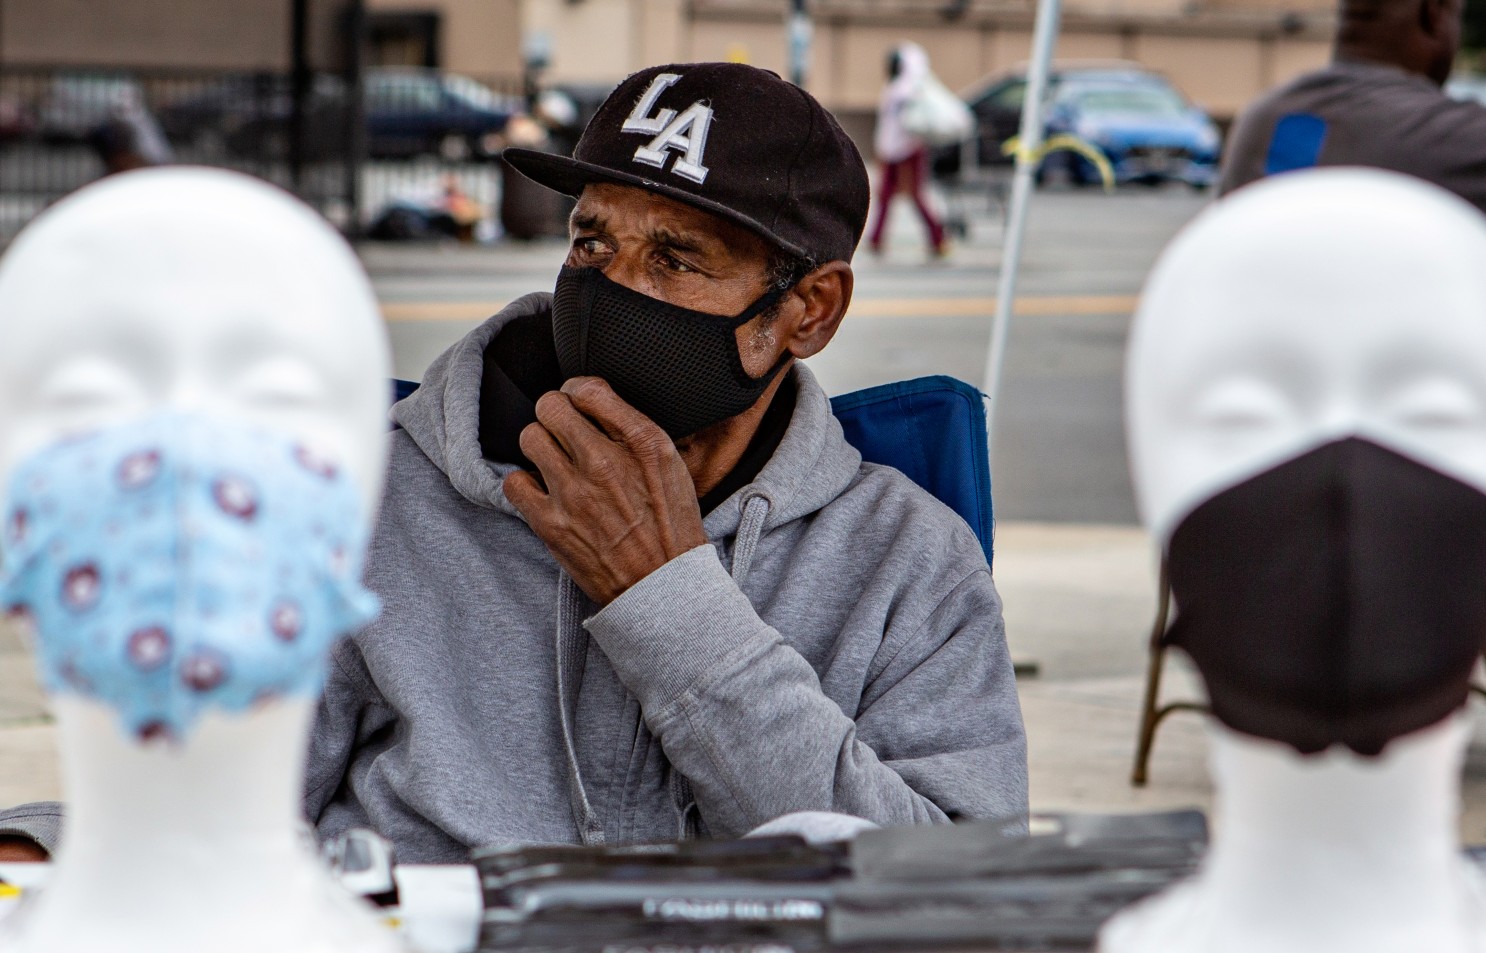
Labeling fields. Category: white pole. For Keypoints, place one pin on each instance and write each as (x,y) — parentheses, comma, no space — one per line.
(1044,37)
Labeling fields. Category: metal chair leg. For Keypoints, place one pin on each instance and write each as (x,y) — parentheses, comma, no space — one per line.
(1149,717)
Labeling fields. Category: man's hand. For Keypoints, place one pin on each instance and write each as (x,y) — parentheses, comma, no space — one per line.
(21,850)
(619,501)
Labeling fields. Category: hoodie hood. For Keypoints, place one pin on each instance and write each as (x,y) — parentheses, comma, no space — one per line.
(813,465)
(443,414)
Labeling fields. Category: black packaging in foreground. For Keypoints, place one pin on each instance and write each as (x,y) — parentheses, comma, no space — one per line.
(764,890)
(967,887)
(970,887)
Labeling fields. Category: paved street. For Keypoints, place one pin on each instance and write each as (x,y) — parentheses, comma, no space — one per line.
(1074,569)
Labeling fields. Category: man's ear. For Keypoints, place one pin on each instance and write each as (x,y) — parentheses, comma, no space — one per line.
(1438,31)
(1431,16)
(826,294)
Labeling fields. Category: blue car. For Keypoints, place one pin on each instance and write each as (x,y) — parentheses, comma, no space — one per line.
(1140,123)
(1146,130)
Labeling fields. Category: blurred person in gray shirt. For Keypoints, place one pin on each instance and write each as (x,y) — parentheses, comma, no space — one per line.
(1379,104)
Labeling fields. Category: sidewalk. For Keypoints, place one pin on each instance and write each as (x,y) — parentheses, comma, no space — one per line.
(1079,601)
(28,764)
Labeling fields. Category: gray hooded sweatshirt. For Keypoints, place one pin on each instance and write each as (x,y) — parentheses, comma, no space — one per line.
(836,646)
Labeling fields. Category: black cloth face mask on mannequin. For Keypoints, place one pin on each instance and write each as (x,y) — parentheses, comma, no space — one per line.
(1338,598)
(679,367)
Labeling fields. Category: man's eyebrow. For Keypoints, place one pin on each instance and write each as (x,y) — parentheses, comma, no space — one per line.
(672,239)
(586,221)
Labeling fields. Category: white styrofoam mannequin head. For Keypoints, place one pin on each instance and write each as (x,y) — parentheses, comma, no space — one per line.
(197,290)
(210,293)
(1303,309)
(1306,309)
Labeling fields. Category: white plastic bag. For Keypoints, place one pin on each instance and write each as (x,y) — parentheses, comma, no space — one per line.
(936,115)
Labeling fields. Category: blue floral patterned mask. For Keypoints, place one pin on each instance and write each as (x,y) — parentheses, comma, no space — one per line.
(179,563)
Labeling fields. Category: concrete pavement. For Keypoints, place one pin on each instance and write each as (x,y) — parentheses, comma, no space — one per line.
(28,762)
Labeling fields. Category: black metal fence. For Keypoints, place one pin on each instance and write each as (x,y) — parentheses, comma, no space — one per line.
(408,136)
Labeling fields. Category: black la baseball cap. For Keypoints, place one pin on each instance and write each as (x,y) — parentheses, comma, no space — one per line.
(734,140)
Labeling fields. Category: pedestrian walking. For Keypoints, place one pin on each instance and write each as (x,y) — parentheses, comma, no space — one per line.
(904,155)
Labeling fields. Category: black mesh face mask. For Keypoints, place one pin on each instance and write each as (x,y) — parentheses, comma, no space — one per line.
(681,368)
(1339,598)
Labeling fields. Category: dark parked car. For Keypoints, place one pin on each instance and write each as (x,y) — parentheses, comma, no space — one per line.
(207,117)
(408,111)
(414,111)
(1136,115)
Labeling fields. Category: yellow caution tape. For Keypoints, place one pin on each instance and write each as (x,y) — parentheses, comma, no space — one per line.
(1066,143)
(1022,156)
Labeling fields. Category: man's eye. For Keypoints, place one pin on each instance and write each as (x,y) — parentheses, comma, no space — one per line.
(672,263)
(588,246)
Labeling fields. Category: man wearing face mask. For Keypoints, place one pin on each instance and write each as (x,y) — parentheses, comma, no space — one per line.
(1378,104)
(636,585)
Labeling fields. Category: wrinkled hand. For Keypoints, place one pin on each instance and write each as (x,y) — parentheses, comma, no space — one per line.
(619,502)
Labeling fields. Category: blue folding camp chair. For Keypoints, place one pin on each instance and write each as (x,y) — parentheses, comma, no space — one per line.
(933,429)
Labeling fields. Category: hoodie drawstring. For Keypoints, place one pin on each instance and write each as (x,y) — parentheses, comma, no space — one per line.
(572,655)
(750,529)
(745,545)
(572,651)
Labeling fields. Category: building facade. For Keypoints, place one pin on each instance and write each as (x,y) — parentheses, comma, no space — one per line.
(1221,53)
